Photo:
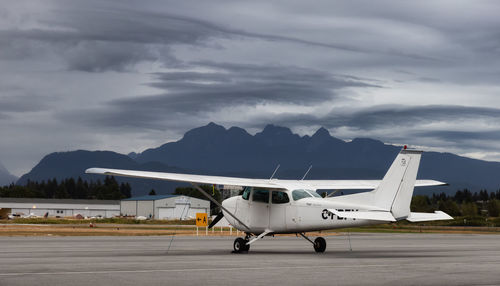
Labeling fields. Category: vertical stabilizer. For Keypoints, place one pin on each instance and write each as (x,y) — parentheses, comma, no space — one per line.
(396,189)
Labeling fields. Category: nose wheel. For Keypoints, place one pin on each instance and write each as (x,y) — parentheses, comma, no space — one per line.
(240,245)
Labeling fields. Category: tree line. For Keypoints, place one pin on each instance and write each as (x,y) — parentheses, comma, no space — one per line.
(109,189)
(463,203)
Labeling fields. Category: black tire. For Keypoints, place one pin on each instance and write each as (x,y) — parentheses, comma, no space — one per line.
(319,244)
(239,245)
(247,247)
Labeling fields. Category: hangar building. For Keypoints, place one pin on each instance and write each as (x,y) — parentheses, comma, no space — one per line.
(59,207)
(164,207)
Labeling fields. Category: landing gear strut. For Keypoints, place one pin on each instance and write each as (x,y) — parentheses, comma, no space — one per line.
(240,244)
(319,243)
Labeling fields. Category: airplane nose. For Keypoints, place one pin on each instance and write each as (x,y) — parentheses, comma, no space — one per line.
(230,203)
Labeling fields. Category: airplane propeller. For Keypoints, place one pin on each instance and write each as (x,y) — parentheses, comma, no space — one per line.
(216,220)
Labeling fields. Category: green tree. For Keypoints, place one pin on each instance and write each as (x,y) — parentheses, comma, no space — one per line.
(493,208)
(469,209)
(421,204)
(450,207)
(152,192)
(126,190)
(81,189)
(61,192)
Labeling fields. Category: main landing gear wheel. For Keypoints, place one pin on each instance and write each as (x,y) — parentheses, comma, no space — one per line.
(319,244)
(240,245)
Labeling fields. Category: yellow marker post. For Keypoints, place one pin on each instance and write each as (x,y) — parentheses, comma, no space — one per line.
(201,219)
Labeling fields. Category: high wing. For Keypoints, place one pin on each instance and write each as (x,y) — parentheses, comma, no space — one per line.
(262,183)
(188,178)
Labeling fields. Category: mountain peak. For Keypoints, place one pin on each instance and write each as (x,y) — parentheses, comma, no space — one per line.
(322,132)
(274,130)
(213,125)
(207,131)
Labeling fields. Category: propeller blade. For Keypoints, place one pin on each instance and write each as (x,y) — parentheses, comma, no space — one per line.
(216,220)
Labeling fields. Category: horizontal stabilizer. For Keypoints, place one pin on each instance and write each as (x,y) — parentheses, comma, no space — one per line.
(437,215)
(368,215)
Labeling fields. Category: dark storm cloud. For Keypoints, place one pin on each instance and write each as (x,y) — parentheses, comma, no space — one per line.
(394,115)
(97,40)
(389,116)
(102,39)
(461,136)
(226,85)
(236,84)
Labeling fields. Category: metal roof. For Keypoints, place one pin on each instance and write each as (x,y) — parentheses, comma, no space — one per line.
(151,198)
(58,201)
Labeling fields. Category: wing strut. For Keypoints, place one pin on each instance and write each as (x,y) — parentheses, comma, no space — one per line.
(219,205)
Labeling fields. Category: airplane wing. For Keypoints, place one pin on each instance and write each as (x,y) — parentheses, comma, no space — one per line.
(188,178)
(262,183)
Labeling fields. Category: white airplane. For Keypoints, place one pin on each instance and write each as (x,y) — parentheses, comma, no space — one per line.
(272,206)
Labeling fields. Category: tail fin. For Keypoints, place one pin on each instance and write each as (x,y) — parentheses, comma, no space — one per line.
(395,191)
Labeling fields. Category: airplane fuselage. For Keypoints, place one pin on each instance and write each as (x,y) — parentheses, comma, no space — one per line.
(290,215)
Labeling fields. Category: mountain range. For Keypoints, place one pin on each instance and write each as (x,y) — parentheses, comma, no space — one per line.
(215,150)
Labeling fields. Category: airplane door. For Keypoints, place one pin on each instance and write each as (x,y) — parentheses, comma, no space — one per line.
(278,211)
(243,206)
(259,210)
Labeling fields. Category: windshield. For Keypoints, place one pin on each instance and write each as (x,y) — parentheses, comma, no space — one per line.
(300,194)
(246,193)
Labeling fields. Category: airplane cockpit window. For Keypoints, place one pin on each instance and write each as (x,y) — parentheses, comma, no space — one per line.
(314,194)
(279,197)
(246,193)
(300,194)
(260,195)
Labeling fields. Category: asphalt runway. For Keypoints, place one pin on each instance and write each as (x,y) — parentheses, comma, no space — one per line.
(375,259)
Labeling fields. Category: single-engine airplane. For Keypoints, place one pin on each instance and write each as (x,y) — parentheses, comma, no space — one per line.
(272,206)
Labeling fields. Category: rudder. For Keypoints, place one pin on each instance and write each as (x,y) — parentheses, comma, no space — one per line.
(396,188)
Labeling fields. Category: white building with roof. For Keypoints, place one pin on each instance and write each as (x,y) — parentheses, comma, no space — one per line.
(59,207)
(164,206)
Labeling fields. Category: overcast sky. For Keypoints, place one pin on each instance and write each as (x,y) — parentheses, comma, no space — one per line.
(129,75)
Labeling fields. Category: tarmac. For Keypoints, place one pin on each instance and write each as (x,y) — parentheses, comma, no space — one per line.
(375,259)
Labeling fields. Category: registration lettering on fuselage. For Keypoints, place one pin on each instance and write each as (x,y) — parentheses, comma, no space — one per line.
(325,214)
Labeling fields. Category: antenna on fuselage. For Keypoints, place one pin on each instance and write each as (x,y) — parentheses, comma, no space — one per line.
(277,167)
(307,172)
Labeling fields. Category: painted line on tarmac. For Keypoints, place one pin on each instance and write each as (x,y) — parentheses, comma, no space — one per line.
(181,270)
